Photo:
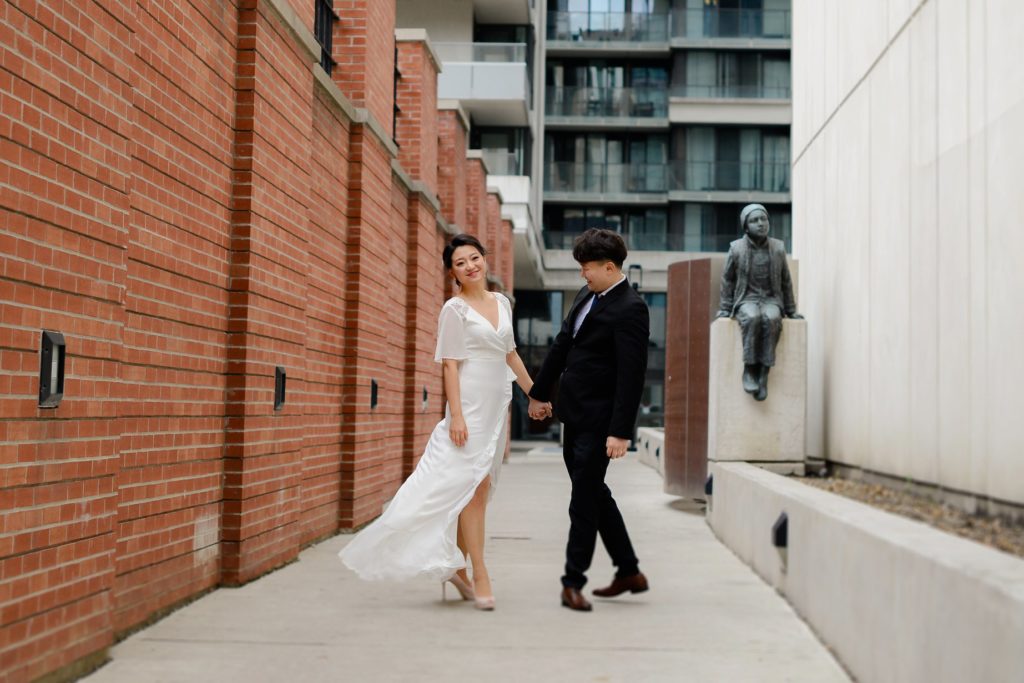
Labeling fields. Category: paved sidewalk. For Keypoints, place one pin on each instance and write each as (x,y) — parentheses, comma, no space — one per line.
(707,617)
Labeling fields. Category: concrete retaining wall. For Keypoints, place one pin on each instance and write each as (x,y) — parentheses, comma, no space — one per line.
(896,600)
(650,447)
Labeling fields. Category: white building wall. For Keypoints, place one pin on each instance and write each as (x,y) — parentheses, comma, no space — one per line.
(908,137)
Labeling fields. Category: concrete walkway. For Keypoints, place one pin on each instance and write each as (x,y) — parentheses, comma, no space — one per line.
(707,617)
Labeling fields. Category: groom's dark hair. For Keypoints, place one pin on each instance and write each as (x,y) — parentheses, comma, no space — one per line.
(462,240)
(598,244)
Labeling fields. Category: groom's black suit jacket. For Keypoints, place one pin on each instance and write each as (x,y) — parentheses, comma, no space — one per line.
(602,369)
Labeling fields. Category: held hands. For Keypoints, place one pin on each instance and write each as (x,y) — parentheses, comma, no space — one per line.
(457,430)
(795,316)
(616,447)
(723,314)
(539,410)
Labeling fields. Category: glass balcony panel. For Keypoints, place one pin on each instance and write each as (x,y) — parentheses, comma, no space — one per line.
(639,241)
(607,27)
(730,176)
(607,102)
(481,52)
(501,162)
(738,91)
(573,176)
(720,22)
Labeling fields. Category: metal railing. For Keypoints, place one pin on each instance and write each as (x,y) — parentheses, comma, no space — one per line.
(653,240)
(643,102)
(730,176)
(501,162)
(605,178)
(691,176)
(608,26)
(757,91)
(718,22)
(481,52)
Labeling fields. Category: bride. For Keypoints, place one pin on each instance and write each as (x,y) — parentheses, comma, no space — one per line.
(436,518)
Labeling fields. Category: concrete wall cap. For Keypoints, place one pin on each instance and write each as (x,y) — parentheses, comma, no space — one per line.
(415,186)
(306,38)
(419,35)
(456,106)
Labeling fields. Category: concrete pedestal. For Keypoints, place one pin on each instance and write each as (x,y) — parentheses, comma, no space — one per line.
(741,428)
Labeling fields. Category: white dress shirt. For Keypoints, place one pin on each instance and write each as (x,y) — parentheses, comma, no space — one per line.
(590,304)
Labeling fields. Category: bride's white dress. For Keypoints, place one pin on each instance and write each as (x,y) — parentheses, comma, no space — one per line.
(416,534)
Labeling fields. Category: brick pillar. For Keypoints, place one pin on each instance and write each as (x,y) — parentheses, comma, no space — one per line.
(417,136)
(364,52)
(371,446)
(452,138)
(417,129)
(492,233)
(266,312)
(476,198)
(507,267)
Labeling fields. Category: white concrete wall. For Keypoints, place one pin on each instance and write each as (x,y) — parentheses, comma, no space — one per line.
(897,601)
(908,131)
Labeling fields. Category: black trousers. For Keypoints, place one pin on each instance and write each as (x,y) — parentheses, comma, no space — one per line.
(592,510)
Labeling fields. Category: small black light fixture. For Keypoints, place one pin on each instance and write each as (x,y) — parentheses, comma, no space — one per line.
(636,276)
(780,532)
(424,403)
(51,369)
(280,387)
(709,485)
(780,539)
(373,393)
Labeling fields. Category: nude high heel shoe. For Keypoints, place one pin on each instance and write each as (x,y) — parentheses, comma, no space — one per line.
(464,588)
(485,603)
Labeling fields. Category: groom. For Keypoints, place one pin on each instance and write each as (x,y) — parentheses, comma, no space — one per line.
(600,358)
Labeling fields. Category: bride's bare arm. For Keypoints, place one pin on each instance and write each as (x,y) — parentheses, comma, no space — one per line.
(457,425)
(518,367)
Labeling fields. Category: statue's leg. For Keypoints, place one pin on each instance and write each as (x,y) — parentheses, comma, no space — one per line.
(748,316)
(762,382)
(771,329)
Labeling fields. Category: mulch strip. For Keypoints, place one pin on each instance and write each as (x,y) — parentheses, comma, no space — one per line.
(995,532)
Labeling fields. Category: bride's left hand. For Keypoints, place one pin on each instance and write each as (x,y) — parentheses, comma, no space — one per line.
(457,431)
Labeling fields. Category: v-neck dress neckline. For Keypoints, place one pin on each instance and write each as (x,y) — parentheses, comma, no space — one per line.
(483,317)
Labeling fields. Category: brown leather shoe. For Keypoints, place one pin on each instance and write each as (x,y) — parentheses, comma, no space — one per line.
(634,584)
(573,599)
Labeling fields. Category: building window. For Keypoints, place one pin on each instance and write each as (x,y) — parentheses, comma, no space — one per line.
(323,28)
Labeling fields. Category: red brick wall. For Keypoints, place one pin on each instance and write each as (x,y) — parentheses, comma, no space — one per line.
(190,224)
(451,167)
(416,133)
(65,183)
(364,49)
(176,300)
(476,199)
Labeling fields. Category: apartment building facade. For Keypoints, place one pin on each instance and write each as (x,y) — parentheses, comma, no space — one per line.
(662,118)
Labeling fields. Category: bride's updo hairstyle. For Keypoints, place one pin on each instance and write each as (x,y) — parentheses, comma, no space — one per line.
(462,240)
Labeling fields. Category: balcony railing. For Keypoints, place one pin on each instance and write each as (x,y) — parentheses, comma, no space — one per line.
(644,102)
(730,176)
(608,27)
(717,22)
(501,162)
(764,92)
(605,178)
(481,52)
(656,240)
(687,176)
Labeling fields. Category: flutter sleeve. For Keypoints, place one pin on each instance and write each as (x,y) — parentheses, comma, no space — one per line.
(510,336)
(451,334)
